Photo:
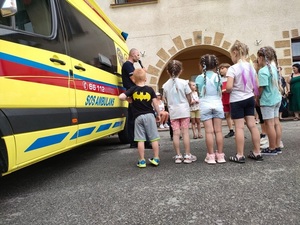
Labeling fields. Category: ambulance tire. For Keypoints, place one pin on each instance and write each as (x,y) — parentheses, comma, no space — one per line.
(3,157)
(123,135)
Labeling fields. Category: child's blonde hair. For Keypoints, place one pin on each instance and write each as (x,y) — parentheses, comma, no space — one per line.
(139,75)
(241,48)
(191,82)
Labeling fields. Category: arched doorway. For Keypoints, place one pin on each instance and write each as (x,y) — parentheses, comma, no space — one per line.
(190,59)
(191,49)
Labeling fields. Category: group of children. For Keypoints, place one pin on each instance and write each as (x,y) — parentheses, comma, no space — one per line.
(246,90)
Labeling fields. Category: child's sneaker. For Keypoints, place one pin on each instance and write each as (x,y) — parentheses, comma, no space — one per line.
(154,161)
(278,150)
(166,126)
(161,126)
(266,145)
(210,158)
(141,163)
(264,140)
(281,144)
(178,159)
(193,158)
(268,151)
(220,157)
(189,158)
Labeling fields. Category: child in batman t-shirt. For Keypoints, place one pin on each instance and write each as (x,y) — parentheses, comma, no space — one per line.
(143,99)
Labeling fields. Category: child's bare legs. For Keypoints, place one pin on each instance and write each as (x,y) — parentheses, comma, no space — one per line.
(228,120)
(263,128)
(163,118)
(193,122)
(271,132)
(217,123)
(181,126)
(141,149)
(280,115)
(278,130)
(198,122)
(186,140)
(239,136)
(155,148)
(209,135)
(250,120)
(176,141)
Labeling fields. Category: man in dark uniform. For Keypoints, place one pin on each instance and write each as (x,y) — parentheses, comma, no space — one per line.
(127,71)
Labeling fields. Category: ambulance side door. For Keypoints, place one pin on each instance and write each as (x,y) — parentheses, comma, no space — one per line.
(94,62)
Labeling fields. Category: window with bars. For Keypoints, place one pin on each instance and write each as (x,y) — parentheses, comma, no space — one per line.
(296,49)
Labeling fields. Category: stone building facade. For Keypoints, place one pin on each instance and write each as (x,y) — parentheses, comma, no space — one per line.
(187,29)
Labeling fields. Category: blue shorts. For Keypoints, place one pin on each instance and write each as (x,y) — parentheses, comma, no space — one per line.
(211,109)
(145,126)
(240,109)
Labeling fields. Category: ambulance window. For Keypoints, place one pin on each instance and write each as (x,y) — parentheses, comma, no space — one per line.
(34,16)
(5,21)
(88,42)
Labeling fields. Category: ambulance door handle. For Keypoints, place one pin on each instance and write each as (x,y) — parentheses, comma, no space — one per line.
(79,68)
(57,61)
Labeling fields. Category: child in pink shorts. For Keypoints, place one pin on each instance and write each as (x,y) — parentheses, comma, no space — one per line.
(178,96)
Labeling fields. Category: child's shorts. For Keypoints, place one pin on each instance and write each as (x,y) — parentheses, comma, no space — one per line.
(210,110)
(195,114)
(180,123)
(270,112)
(240,109)
(226,108)
(145,126)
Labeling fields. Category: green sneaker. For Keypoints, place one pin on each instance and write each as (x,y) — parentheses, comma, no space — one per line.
(154,161)
(141,163)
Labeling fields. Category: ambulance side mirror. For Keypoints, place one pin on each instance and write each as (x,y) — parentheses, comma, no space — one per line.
(103,60)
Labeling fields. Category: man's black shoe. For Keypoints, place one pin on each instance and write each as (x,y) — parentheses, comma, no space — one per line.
(148,146)
(230,134)
(133,145)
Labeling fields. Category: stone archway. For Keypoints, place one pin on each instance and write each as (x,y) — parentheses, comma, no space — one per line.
(285,46)
(196,40)
(282,46)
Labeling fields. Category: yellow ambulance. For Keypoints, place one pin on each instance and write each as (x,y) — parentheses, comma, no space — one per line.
(60,77)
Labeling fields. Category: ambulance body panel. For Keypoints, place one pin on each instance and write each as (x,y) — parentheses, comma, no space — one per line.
(60,77)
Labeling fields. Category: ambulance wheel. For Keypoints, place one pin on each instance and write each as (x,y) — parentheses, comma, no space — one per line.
(123,135)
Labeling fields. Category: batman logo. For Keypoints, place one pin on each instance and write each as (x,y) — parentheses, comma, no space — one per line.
(141,96)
